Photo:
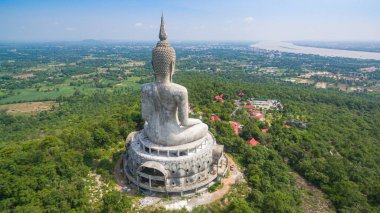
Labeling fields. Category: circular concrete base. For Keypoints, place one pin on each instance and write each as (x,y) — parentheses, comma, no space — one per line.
(174,170)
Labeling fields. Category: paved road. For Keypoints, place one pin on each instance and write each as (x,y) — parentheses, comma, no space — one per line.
(238,106)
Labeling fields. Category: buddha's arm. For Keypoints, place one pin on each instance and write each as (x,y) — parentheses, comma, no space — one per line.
(145,105)
(144,113)
(183,110)
(183,107)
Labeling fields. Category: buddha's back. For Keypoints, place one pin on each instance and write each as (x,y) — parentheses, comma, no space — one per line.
(165,104)
(160,109)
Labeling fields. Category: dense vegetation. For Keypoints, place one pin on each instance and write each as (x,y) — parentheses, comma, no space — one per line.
(50,173)
(339,150)
(46,159)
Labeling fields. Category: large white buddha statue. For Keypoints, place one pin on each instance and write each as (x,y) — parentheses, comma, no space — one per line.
(165,105)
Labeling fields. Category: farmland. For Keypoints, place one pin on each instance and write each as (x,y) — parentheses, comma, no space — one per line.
(28,107)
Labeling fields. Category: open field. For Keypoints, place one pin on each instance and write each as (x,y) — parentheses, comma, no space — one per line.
(28,107)
(130,82)
(133,64)
(31,94)
(51,93)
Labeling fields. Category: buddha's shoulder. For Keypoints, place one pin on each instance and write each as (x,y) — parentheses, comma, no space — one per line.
(175,89)
(147,87)
(178,88)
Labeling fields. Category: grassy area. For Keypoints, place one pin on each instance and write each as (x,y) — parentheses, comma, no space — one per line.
(130,82)
(53,92)
(215,187)
(31,94)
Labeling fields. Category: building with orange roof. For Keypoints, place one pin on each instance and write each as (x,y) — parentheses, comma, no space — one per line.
(215,118)
(219,98)
(236,126)
(258,116)
(253,142)
(249,107)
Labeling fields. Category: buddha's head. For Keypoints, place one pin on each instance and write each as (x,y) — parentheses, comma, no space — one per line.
(163,56)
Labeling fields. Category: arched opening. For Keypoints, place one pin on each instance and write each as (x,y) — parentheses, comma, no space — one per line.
(152,174)
(151,171)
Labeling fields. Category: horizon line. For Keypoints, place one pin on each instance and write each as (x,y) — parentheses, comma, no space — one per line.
(177,40)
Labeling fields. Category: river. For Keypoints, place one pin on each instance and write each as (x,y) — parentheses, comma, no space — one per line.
(291,48)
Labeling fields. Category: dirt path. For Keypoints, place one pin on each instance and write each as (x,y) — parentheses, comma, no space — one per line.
(207,197)
(227,182)
(121,180)
(313,199)
(119,177)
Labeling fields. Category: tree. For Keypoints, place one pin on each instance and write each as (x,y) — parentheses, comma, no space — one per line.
(239,205)
(101,137)
(114,201)
(278,201)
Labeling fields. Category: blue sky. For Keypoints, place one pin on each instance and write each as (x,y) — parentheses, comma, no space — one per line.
(48,20)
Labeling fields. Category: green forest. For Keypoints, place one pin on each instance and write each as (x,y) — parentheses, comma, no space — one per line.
(46,158)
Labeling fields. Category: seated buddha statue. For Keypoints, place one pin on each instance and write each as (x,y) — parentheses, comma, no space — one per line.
(165,105)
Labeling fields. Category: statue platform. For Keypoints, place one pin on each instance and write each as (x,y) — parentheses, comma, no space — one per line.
(173,169)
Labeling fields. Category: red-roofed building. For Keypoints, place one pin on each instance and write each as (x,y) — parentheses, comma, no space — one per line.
(256,111)
(215,118)
(257,116)
(248,107)
(241,94)
(253,142)
(219,98)
(264,130)
(369,69)
(236,126)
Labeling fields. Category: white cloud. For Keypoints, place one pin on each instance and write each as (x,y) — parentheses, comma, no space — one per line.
(248,19)
(69,29)
(138,24)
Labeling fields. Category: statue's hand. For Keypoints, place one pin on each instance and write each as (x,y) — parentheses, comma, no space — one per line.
(192,122)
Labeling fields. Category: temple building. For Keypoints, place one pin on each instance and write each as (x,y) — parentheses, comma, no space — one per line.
(173,154)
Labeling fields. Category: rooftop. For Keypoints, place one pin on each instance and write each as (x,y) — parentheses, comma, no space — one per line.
(253,142)
(236,126)
(215,118)
(260,99)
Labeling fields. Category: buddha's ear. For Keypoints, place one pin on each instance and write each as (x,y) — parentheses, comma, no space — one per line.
(171,70)
(153,69)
